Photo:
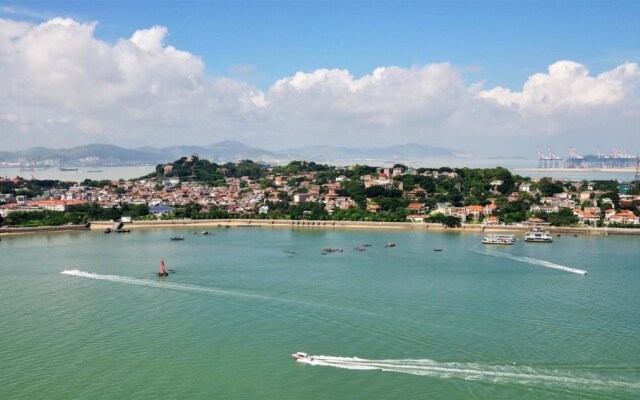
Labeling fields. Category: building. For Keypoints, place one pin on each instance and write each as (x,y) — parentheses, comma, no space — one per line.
(160,210)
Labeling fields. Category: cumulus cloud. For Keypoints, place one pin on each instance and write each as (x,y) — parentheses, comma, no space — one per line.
(567,85)
(62,86)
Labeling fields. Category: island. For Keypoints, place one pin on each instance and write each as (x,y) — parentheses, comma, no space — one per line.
(306,193)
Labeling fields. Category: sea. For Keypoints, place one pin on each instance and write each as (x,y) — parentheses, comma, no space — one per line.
(80,174)
(83,315)
(522,167)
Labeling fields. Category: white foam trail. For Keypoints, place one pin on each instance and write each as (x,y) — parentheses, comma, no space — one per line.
(161,284)
(534,261)
(194,288)
(472,371)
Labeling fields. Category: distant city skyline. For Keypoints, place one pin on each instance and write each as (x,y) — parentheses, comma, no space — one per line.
(487,78)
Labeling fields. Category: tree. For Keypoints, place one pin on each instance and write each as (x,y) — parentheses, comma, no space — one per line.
(451,222)
(564,217)
(436,218)
(549,187)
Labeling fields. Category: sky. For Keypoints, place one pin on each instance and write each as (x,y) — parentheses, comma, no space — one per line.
(485,78)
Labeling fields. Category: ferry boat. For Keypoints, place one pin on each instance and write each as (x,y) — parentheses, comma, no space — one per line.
(495,238)
(537,235)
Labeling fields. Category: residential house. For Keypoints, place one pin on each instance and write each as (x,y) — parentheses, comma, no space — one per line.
(626,217)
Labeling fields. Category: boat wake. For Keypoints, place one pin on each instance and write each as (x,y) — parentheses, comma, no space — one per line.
(533,261)
(161,284)
(509,374)
(285,304)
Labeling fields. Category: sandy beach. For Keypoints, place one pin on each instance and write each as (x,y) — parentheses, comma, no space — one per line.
(306,224)
(433,227)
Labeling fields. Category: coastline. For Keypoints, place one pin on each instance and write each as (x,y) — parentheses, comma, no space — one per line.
(366,225)
(310,224)
(42,229)
(612,170)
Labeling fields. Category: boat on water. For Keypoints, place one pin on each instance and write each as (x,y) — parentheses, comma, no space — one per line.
(163,270)
(496,238)
(177,238)
(537,235)
(68,168)
(302,357)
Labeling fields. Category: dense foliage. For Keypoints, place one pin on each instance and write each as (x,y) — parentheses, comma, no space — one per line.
(41,218)
(194,169)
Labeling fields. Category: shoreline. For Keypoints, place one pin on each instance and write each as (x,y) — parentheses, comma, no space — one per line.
(42,229)
(612,170)
(320,224)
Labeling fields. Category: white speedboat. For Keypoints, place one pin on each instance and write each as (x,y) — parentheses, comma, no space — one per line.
(538,235)
(495,238)
(300,356)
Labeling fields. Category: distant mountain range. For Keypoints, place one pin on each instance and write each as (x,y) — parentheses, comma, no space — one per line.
(102,154)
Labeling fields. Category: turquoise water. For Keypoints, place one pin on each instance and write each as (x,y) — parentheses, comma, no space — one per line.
(404,322)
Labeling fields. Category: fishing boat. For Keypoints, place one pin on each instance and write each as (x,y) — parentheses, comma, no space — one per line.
(537,235)
(163,271)
(495,238)
(176,238)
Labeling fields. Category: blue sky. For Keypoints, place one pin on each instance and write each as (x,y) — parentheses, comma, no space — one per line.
(495,44)
(502,42)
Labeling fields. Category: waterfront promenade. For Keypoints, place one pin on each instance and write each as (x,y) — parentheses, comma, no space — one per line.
(434,227)
(420,226)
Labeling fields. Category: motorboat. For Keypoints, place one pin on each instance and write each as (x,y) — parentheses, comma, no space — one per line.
(300,356)
(537,235)
(177,238)
(495,238)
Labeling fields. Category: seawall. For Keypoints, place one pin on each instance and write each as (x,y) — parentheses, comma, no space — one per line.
(319,224)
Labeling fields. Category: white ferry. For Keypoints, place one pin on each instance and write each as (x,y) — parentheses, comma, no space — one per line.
(494,238)
(537,235)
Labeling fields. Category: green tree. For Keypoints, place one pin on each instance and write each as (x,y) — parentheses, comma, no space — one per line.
(451,222)
(548,187)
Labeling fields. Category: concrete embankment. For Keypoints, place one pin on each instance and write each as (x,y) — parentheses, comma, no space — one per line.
(367,225)
(43,229)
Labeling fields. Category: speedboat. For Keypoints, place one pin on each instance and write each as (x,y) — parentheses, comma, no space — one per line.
(300,356)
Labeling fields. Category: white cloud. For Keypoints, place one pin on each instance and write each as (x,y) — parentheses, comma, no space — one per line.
(62,86)
(568,85)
